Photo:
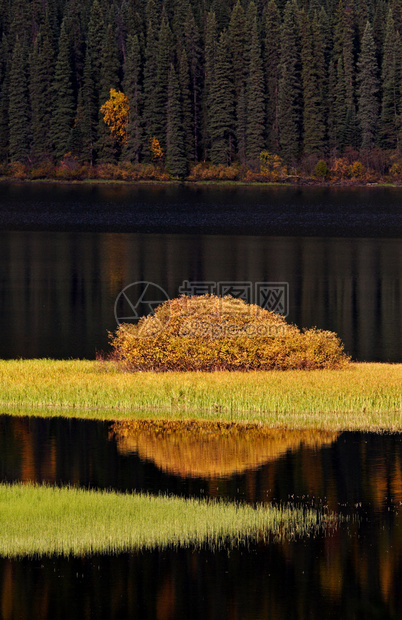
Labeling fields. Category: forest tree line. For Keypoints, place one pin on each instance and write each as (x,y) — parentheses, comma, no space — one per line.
(218,81)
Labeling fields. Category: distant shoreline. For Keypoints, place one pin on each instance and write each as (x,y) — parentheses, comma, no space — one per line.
(301,182)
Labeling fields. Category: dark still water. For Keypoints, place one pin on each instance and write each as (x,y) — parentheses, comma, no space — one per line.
(67,252)
(354,572)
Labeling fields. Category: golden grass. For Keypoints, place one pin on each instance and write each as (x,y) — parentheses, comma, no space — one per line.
(360,396)
(42,520)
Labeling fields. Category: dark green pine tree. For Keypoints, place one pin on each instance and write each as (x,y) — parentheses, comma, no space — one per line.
(95,40)
(339,106)
(396,7)
(132,90)
(368,88)
(271,68)
(222,112)
(38,15)
(390,86)
(313,72)
(255,98)
(153,14)
(131,23)
(41,92)
(19,109)
(5,65)
(351,132)
(149,87)
(379,22)
(20,21)
(109,78)
(176,162)
(289,96)
(179,18)
(84,134)
(186,106)
(63,97)
(209,72)
(164,58)
(237,51)
(193,52)
(73,23)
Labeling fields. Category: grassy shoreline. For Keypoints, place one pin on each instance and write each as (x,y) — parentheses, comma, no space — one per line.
(305,182)
(360,397)
(42,520)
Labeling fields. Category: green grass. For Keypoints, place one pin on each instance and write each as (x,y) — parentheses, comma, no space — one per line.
(41,520)
(361,396)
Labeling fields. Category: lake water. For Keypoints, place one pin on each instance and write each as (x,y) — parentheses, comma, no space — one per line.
(352,572)
(66,252)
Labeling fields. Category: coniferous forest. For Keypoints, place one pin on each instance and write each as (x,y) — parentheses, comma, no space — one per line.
(259,89)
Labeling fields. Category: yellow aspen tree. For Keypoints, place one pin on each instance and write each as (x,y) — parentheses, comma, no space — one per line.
(115,114)
(156,149)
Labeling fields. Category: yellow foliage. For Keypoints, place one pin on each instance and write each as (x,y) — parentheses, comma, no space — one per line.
(211,333)
(115,114)
(156,149)
(272,165)
(356,170)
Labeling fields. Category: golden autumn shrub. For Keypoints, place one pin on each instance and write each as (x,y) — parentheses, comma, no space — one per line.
(206,333)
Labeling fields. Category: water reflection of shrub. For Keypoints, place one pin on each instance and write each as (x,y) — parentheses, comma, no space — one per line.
(234,336)
(208,450)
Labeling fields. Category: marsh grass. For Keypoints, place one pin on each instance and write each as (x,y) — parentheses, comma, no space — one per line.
(42,520)
(360,396)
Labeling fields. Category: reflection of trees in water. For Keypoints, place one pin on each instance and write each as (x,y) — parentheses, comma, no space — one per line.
(207,451)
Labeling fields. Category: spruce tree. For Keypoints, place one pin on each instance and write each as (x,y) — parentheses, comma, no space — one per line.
(255,98)
(85,133)
(132,90)
(222,112)
(390,86)
(368,88)
(95,40)
(41,92)
(176,162)
(149,86)
(237,51)
(192,46)
(163,61)
(313,72)
(109,78)
(339,106)
(186,106)
(5,65)
(63,96)
(271,67)
(289,96)
(209,72)
(19,109)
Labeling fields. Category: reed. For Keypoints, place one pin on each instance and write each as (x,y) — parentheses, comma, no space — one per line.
(42,520)
(360,396)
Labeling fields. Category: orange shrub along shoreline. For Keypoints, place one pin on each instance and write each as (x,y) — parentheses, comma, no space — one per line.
(344,170)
